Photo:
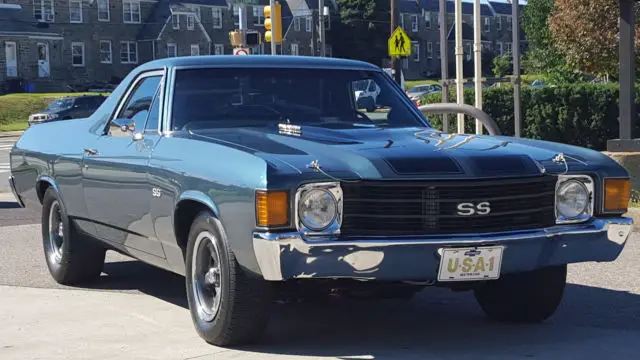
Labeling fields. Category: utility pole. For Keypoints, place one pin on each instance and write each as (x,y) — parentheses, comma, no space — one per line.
(321,27)
(459,63)
(395,63)
(272,5)
(477,48)
(444,61)
(515,51)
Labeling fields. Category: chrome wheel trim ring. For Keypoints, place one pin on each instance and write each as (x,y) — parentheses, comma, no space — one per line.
(56,233)
(206,279)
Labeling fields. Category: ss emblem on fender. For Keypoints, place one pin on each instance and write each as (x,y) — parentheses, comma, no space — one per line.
(468,209)
(156,192)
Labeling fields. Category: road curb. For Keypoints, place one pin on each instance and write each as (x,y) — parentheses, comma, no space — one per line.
(10,133)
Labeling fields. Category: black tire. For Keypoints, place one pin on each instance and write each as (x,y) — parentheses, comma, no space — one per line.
(242,313)
(526,297)
(79,258)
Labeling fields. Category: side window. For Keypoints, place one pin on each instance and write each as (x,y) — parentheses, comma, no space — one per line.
(154,114)
(137,106)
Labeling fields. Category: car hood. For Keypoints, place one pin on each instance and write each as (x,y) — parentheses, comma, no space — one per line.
(379,153)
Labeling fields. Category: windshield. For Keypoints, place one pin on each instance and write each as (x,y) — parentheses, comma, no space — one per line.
(262,97)
(60,104)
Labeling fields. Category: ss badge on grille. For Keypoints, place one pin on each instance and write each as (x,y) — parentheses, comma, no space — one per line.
(469,209)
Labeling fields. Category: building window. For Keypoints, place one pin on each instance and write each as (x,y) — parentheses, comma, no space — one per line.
(500,48)
(175,21)
(414,23)
(236,14)
(294,49)
(258,15)
(103,10)
(429,50)
(487,24)
(172,50)
(296,23)
(43,10)
(415,51)
(499,23)
(218,49)
(509,23)
(77,54)
(195,50)
(327,22)
(217,18)
(75,11)
(308,23)
(402,21)
(427,20)
(507,47)
(128,52)
(105,51)
(131,11)
(468,51)
(438,50)
(328,51)
(190,22)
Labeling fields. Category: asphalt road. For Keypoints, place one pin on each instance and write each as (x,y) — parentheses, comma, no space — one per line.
(5,146)
(137,311)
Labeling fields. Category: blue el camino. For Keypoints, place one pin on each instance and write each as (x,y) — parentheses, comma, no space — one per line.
(255,175)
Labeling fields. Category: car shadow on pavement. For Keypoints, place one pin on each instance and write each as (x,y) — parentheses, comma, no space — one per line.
(435,321)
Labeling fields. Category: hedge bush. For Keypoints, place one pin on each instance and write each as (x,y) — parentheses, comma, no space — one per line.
(578,114)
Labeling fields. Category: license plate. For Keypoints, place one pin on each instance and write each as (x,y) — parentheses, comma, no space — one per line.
(469,264)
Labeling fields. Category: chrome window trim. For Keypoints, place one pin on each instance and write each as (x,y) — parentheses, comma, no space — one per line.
(125,97)
(333,230)
(589,183)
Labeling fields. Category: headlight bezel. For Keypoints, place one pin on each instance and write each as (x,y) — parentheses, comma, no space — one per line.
(589,184)
(333,228)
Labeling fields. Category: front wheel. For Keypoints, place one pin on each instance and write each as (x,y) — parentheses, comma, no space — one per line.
(527,297)
(71,257)
(227,306)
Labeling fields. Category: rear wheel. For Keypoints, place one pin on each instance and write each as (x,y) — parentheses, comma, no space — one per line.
(527,297)
(227,306)
(71,256)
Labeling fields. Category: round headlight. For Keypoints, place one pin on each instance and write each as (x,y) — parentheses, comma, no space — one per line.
(572,199)
(317,210)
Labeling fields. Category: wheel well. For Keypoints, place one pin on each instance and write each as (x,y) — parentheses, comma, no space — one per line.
(41,189)
(183,216)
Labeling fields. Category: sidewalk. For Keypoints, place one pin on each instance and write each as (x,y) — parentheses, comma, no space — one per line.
(80,324)
(10,133)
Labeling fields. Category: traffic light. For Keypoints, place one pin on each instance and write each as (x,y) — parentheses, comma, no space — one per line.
(273,17)
(252,38)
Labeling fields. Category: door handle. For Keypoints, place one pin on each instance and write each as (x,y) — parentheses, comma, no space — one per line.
(90,151)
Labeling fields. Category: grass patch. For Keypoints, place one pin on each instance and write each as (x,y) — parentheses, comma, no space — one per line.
(14,126)
(16,108)
(412,83)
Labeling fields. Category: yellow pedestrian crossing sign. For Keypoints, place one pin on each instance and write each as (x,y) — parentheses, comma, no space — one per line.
(399,43)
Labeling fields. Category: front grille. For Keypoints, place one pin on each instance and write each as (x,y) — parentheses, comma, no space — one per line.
(430,207)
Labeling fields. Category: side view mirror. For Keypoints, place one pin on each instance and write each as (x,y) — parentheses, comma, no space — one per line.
(125,125)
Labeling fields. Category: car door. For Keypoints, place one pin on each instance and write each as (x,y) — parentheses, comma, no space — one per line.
(115,180)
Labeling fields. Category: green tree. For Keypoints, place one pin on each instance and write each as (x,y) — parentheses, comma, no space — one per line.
(362,30)
(502,64)
(587,32)
(543,56)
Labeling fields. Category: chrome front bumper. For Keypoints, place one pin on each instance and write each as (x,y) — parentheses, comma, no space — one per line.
(283,256)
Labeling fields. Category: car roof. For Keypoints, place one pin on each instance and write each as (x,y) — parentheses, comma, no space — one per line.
(277,61)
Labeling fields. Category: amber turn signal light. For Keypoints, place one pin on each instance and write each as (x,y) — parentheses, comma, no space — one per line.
(272,208)
(617,193)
